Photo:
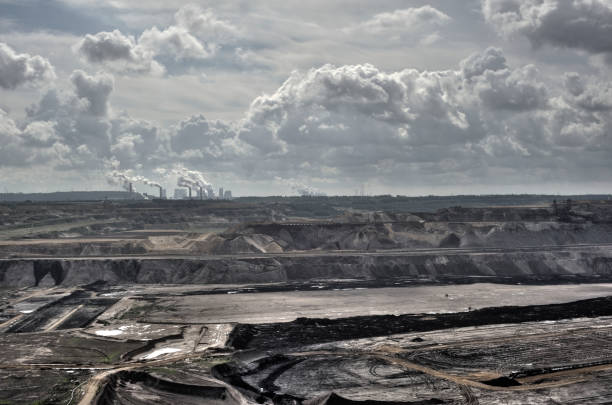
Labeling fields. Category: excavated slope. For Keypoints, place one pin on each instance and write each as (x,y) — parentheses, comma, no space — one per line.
(272,238)
(528,266)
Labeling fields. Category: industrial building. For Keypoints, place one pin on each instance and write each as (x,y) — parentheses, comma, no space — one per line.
(180,193)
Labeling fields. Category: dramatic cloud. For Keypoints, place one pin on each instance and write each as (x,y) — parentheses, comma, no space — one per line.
(197,34)
(357,122)
(270,96)
(17,69)
(577,24)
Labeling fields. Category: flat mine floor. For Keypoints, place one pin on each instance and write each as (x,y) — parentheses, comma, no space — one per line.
(455,344)
(338,303)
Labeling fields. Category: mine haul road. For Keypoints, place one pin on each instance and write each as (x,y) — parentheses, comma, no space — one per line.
(335,253)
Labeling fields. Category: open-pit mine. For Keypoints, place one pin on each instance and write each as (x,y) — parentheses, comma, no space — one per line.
(309,300)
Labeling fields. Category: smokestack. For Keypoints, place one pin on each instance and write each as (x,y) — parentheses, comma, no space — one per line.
(189,192)
(160,192)
(201,194)
(131,189)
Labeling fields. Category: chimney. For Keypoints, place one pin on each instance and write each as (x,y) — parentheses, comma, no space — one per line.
(131,189)
(189,192)
(160,192)
(201,194)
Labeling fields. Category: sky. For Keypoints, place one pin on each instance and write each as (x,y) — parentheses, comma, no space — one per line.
(282,97)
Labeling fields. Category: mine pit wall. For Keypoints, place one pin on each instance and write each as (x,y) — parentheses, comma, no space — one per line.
(558,266)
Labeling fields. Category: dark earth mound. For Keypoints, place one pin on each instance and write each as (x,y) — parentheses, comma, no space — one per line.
(308,331)
(335,399)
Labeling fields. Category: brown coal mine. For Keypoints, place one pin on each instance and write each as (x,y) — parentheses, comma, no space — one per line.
(318,300)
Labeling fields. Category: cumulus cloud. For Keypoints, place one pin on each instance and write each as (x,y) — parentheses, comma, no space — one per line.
(478,63)
(341,126)
(576,24)
(34,145)
(591,96)
(197,137)
(358,122)
(80,127)
(416,24)
(519,89)
(117,51)
(17,69)
(204,24)
(196,34)
(95,90)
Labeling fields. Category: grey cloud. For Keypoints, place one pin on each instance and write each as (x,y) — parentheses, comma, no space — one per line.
(518,89)
(196,34)
(107,46)
(137,142)
(94,89)
(118,52)
(359,122)
(352,120)
(80,119)
(574,83)
(82,131)
(594,96)
(31,146)
(17,69)
(411,24)
(205,25)
(198,135)
(53,15)
(478,63)
(409,19)
(40,134)
(176,42)
(349,124)
(577,24)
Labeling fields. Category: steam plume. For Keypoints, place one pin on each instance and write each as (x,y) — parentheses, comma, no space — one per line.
(194,180)
(300,188)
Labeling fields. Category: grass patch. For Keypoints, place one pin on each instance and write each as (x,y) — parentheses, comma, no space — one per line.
(211,361)
(113,357)
(141,311)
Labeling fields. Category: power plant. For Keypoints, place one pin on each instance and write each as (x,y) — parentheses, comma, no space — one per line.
(186,192)
(188,181)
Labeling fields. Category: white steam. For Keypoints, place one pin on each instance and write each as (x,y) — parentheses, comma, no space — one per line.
(193,180)
(124,178)
(300,188)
